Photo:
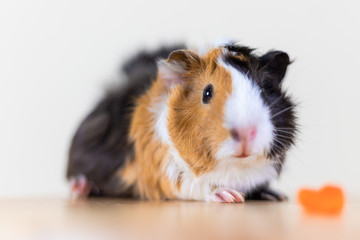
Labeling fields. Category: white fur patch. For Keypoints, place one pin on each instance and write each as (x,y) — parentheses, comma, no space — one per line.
(244,108)
(160,111)
(175,165)
(241,175)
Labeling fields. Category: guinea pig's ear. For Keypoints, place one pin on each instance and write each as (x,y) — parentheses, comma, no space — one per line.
(179,62)
(272,67)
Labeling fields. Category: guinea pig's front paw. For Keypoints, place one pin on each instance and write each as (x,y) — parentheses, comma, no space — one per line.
(225,195)
(80,186)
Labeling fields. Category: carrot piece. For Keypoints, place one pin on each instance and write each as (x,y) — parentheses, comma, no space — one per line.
(329,199)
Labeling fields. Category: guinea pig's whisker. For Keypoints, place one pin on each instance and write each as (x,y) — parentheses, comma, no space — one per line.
(278,141)
(286,135)
(283,131)
(286,109)
(276,167)
(277,150)
(283,136)
(273,103)
(277,161)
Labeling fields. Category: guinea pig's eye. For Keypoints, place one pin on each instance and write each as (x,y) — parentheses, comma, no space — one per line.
(208,93)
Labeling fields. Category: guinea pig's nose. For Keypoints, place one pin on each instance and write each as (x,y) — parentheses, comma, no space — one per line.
(243,134)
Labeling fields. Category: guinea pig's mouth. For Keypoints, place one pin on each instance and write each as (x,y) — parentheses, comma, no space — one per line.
(243,155)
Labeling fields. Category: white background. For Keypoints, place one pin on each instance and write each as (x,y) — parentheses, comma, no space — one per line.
(56,58)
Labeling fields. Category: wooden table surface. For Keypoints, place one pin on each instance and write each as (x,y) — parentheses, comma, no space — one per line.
(94,219)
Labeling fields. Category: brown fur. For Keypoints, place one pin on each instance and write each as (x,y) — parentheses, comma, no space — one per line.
(145,171)
(195,128)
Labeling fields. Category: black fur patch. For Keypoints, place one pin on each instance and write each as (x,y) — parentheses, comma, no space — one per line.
(101,144)
(247,66)
(243,50)
(239,65)
(267,72)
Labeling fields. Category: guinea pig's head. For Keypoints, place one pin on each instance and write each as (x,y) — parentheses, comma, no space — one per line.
(227,105)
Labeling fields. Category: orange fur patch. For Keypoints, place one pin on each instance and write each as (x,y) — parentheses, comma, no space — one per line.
(194,127)
(145,172)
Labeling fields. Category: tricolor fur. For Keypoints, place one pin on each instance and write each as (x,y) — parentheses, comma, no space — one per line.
(183,147)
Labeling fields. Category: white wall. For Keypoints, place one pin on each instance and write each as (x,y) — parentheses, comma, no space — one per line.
(56,57)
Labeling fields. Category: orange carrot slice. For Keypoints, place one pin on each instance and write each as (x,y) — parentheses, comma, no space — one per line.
(329,199)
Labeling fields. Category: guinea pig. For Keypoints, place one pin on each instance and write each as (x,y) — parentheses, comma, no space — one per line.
(210,127)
